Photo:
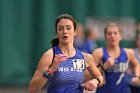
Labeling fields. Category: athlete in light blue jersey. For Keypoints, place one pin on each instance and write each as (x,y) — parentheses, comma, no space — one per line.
(63,66)
(113,62)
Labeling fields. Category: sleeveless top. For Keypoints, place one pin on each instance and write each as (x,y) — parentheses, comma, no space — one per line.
(70,75)
(115,77)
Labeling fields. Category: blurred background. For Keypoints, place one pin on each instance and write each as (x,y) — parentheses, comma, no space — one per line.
(27,27)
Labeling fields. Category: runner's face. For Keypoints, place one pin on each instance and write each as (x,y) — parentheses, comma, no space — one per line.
(65,31)
(113,35)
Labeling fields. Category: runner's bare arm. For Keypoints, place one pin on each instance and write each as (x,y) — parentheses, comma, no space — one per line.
(133,61)
(38,80)
(92,68)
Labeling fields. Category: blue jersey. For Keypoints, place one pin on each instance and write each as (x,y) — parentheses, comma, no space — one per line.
(70,75)
(90,45)
(115,77)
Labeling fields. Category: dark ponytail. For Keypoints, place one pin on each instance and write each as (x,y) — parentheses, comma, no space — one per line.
(55,42)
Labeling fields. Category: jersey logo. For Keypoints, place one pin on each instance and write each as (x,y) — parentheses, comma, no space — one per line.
(121,67)
(78,63)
